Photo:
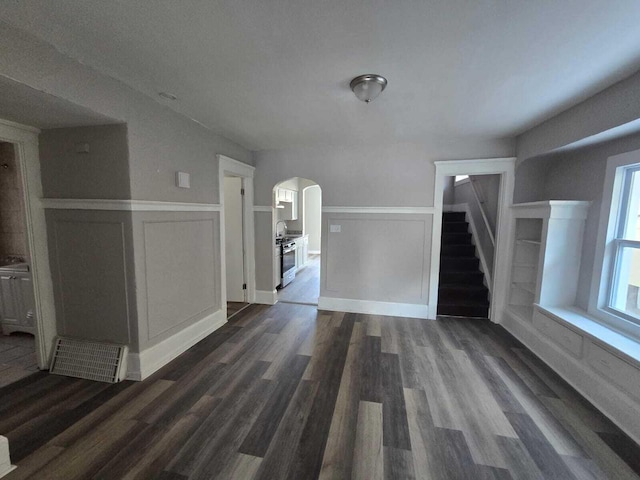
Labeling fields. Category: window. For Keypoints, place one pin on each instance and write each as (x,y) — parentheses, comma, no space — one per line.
(624,283)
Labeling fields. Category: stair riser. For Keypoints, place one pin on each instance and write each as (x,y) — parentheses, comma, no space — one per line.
(464,278)
(451,296)
(456,239)
(463,311)
(459,264)
(455,227)
(453,217)
(458,250)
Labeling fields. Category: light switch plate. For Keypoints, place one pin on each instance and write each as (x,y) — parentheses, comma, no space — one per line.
(183,180)
(335,228)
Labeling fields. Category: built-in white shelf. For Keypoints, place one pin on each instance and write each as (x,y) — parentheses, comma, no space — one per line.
(546,254)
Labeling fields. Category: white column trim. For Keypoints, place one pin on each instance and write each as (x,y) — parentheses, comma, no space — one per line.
(127,205)
(378,210)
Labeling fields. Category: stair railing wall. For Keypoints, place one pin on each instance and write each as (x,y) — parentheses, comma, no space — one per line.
(478,196)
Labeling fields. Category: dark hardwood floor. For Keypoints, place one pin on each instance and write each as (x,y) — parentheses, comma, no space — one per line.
(306,286)
(235,307)
(287,392)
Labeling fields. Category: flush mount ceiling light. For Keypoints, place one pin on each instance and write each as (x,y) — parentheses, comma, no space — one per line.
(167,96)
(368,87)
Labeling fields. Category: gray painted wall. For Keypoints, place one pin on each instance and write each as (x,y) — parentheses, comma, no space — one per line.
(167,285)
(92,266)
(611,108)
(368,248)
(101,173)
(579,175)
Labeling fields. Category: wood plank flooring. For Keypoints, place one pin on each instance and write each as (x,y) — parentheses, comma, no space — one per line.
(17,357)
(235,307)
(306,286)
(287,392)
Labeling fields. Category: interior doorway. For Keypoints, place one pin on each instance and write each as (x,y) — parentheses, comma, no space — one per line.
(297,227)
(234,244)
(469,225)
(17,300)
(447,251)
(237,237)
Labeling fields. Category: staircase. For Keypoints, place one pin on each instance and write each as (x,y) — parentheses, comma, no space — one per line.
(461,290)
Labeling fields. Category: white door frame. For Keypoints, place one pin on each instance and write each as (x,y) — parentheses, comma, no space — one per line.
(25,139)
(228,167)
(484,166)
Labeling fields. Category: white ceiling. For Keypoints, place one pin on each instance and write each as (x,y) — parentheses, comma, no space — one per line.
(275,73)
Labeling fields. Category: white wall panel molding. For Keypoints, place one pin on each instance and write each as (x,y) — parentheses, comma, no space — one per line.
(378,210)
(127,205)
(266,297)
(371,307)
(142,365)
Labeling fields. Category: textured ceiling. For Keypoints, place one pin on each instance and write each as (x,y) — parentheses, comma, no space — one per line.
(275,73)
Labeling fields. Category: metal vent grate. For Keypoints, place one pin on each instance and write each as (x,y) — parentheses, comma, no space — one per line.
(103,362)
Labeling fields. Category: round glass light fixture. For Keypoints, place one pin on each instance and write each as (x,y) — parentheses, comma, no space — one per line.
(368,87)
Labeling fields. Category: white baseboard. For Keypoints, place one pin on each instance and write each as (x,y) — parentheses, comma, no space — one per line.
(265,297)
(5,460)
(142,365)
(411,310)
(619,407)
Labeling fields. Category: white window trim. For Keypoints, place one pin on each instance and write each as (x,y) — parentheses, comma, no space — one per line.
(604,258)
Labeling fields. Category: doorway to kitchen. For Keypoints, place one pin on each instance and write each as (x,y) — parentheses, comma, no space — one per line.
(298,220)
(17,300)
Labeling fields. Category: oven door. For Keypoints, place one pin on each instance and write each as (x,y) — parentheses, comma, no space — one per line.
(288,265)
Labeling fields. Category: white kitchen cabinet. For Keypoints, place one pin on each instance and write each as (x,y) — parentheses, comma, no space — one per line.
(302,251)
(17,303)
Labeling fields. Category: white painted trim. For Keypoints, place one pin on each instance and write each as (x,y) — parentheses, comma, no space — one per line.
(263,208)
(371,210)
(485,219)
(265,297)
(481,255)
(5,458)
(619,407)
(314,252)
(142,365)
(230,167)
(127,205)
(573,209)
(25,140)
(485,166)
(372,307)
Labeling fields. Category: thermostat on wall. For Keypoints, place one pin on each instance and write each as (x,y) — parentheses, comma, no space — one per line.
(183,180)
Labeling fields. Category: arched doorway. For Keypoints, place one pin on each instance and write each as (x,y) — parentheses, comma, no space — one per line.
(297,226)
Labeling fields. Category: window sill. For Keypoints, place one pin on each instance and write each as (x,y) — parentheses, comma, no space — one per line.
(595,330)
